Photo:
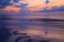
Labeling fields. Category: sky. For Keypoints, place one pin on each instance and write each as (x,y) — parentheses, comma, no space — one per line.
(32,7)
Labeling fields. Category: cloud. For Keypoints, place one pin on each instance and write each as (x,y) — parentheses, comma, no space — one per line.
(47,1)
(16,8)
(23,5)
(4,3)
(12,5)
(16,0)
(61,8)
(53,9)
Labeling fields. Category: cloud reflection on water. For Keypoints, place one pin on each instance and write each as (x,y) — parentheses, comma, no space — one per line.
(35,30)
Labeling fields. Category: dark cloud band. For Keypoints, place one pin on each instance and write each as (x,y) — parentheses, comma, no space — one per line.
(53,9)
(4,3)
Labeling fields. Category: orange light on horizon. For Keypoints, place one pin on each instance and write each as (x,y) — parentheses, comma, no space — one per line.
(11,8)
(40,7)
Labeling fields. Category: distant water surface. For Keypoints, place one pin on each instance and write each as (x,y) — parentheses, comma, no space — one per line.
(34,30)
